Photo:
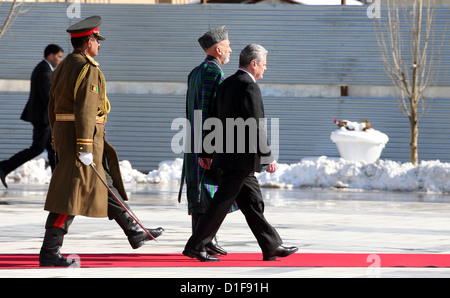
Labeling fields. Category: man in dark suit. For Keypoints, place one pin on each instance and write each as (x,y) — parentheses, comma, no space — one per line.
(239,99)
(36,112)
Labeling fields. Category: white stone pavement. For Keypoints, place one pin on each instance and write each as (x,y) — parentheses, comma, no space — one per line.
(315,220)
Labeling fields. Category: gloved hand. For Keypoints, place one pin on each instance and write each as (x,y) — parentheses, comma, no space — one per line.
(86,158)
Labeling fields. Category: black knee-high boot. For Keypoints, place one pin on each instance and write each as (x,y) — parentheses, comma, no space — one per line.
(213,248)
(49,255)
(136,235)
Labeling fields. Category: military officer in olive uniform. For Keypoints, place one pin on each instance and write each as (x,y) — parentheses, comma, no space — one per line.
(77,113)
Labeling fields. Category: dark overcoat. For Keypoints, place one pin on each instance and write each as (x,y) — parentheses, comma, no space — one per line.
(239,100)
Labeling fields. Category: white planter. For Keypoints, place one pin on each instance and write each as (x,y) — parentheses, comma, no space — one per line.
(359,145)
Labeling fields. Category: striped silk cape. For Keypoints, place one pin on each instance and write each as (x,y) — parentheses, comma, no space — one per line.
(201,184)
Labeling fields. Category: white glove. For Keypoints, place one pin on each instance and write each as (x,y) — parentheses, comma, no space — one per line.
(86,158)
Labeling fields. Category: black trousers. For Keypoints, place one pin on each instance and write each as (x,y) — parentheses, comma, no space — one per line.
(114,208)
(42,140)
(243,188)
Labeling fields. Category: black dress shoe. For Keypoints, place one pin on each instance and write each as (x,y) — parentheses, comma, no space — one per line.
(279,252)
(202,256)
(213,248)
(3,177)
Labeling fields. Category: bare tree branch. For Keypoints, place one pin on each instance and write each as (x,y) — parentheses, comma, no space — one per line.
(408,52)
(14,12)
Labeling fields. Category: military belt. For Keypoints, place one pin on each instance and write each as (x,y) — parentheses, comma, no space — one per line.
(71,117)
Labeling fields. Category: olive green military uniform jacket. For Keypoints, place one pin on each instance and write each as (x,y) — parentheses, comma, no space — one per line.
(77,114)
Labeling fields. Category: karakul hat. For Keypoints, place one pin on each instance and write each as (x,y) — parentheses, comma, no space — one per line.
(213,37)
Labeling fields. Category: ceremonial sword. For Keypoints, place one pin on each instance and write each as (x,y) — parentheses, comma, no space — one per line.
(121,204)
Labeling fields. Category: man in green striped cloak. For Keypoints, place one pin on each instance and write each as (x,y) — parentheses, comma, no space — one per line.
(201,184)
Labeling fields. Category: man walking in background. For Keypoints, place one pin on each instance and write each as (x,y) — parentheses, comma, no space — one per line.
(36,112)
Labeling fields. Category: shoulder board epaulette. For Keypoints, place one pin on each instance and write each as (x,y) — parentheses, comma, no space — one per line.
(92,61)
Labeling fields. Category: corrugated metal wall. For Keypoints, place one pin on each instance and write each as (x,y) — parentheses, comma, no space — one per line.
(307,44)
(157,44)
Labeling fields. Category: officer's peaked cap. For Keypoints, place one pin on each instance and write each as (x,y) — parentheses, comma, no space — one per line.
(86,27)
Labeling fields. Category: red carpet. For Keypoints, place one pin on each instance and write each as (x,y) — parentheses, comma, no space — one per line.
(30,261)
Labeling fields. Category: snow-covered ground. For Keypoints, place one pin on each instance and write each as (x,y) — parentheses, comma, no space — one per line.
(321,172)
